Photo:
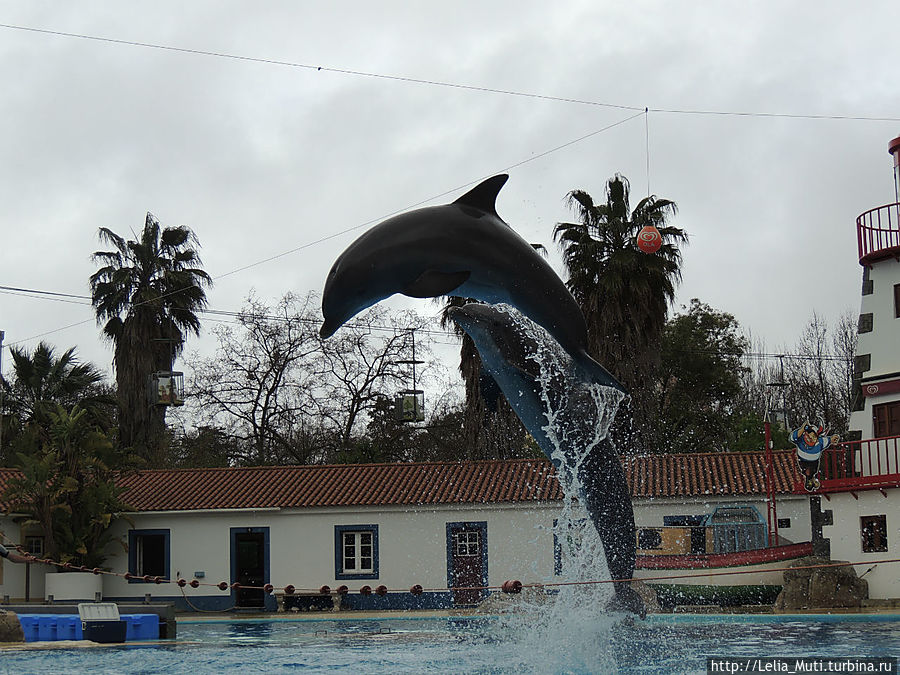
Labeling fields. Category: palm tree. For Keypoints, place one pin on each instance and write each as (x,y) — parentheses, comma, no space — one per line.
(43,381)
(624,293)
(148,293)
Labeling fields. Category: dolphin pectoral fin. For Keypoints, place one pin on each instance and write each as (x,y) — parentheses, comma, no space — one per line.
(432,284)
(484,195)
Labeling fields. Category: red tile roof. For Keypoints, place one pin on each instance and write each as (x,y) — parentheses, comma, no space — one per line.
(524,480)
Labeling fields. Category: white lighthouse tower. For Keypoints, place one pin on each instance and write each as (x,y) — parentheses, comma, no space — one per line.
(877,370)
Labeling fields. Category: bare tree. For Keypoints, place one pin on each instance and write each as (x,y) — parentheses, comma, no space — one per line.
(258,385)
(364,362)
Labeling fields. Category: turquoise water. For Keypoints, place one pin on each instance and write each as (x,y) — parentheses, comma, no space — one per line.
(662,644)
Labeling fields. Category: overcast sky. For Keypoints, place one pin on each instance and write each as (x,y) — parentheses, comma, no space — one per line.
(334,117)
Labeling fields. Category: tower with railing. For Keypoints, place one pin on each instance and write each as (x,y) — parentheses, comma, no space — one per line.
(871,457)
(877,406)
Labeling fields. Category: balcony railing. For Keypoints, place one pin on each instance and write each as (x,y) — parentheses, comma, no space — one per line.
(859,465)
(878,233)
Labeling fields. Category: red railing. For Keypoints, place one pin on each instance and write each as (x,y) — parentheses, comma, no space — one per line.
(878,233)
(856,465)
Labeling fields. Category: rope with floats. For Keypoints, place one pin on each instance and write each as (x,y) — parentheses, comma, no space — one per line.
(509,586)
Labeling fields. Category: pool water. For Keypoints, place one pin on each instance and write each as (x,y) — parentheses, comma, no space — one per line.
(661,644)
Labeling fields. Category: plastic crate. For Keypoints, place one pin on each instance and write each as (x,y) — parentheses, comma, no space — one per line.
(47,627)
(29,626)
(142,626)
(68,627)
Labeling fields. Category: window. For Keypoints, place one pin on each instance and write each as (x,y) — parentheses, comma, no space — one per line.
(649,539)
(355,551)
(784,523)
(896,300)
(874,533)
(35,545)
(148,554)
(886,420)
(468,543)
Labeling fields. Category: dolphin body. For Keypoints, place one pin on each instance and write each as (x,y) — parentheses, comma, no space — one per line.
(464,249)
(552,395)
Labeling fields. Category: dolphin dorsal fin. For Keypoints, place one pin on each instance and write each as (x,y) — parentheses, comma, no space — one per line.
(484,195)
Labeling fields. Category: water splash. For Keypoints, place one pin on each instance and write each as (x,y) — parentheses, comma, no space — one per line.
(567,630)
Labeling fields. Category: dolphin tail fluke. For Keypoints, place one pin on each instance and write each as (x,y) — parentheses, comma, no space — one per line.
(598,374)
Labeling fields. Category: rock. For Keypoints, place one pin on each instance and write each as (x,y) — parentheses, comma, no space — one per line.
(648,595)
(10,628)
(821,587)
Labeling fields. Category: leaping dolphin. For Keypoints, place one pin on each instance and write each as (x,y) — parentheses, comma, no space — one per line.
(551,393)
(464,249)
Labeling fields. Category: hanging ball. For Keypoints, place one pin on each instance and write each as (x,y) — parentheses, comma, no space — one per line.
(127,576)
(96,570)
(649,239)
(512,586)
(381,590)
(194,583)
(235,586)
(325,590)
(289,589)
(147,578)
(223,585)
(268,588)
(417,589)
(182,582)
(342,590)
(365,590)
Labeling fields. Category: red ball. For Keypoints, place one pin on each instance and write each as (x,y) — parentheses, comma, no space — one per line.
(381,590)
(223,585)
(649,239)
(416,590)
(268,588)
(365,590)
(325,590)
(182,582)
(289,589)
(194,583)
(512,586)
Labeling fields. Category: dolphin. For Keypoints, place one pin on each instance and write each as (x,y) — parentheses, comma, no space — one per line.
(553,396)
(464,249)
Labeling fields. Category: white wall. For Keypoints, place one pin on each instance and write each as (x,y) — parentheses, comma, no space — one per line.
(412,545)
(12,575)
(881,342)
(846,536)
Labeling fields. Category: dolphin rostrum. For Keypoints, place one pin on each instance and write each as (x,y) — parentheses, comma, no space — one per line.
(462,249)
(553,396)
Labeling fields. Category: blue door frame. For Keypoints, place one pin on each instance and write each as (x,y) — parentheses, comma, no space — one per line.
(269,601)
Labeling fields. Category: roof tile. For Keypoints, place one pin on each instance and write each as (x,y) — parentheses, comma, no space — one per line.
(422,483)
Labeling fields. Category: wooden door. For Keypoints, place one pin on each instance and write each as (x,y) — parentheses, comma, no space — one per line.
(467,563)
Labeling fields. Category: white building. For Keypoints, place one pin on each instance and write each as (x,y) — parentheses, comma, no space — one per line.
(863,491)
(440,525)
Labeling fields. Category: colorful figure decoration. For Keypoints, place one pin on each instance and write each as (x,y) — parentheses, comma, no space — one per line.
(811,440)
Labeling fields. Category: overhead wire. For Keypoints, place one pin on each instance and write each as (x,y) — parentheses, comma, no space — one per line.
(232,316)
(441,83)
